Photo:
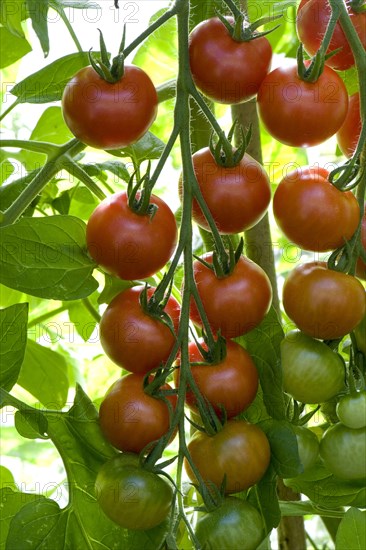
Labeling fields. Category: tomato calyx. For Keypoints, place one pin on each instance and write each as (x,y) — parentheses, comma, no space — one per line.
(242,30)
(223,264)
(224,153)
(358,6)
(155,306)
(214,354)
(295,414)
(109,71)
(139,201)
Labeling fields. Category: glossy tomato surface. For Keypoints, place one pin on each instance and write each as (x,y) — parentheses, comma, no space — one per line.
(351,410)
(312,372)
(131,496)
(240,451)
(308,446)
(226,70)
(343,451)
(129,418)
(237,197)
(311,23)
(231,383)
(127,244)
(133,339)
(109,115)
(323,303)
(349,132)
(233,525)
(313,213)
(298,113)
(234,304)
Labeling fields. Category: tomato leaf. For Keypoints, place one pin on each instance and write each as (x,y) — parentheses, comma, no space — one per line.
(149,147)
(12,13)
(11,502)
(284,450)
(352,531)
(12,47)
(38,13)
(47,257)
(31,424)
(13,339)
(264,497)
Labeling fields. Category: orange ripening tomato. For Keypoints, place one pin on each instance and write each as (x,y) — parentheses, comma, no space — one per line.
(349,133)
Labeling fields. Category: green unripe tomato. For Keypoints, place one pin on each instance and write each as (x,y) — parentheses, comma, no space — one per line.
(343,451)
(308,446)
(312,372)
(360,334)
(351,410)
(131,496)
(235,524)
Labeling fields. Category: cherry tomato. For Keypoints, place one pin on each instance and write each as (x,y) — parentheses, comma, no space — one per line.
(240,451)
(351,410)
(133,339)
(343,451)
(225,70)
(129,418)
(323,303)
(361,265)
(311,23)
(127,244)
(234,524)
(312,372)
(308,446)
(131,496)
(237,197)
(234,304)
(302,114)
(232,383)
(313,213)
(109,115)
(349,133)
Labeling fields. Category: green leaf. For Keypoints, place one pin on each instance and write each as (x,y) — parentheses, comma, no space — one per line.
(10,503)
(12,12)
(51,127)
(48,83)
(44,375)
(6,170)
(264,497)
(46,257)
(112,287)
(97,169)
(13,339)
(82,319)
(6,477)
(37,10)
(149,147)
(83,202)
(352,531)
(12,47)
(11,191)
(31,424)
(284,450)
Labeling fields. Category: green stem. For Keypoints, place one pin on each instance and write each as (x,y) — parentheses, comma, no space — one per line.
(9,109)
(93,312)
(35,146)
(70,29)
(167,90)
(78,172)
(48,315)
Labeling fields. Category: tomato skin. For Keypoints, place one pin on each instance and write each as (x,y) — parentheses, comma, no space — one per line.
(312,372)
(237,197)
(129,418)
(311,24)
(349,133)
(323,303)
(236,303)
(313,213)
(133,339)
(308,446)
(131,496)
(223,69)
(240,450)
(232,383)
(351,410)
(361,265)
(109,115)
(234,524)
(127,244)
(298,113)
(343,451)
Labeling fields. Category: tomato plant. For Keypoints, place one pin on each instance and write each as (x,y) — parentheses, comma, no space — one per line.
(132,496)
(237,196)
(308,446)
(231,382)
(130,418)
(128,244)
(109,115)
(240,451)
(236,303)
(343,451)
(234,524)
(132,337)
(300,113)
(323,303)
(349,133)
(361,264)
(313,213)
(351,410)
(360,335)
(232,70)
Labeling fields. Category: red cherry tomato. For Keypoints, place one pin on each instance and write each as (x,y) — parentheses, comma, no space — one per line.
(130,245)
(349,133)
(302,114)
(225,70)
(109,115)
(313,213)
(234,304)
(133,339)
(323,303)
(232,383)
(129,418)
(237,197)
